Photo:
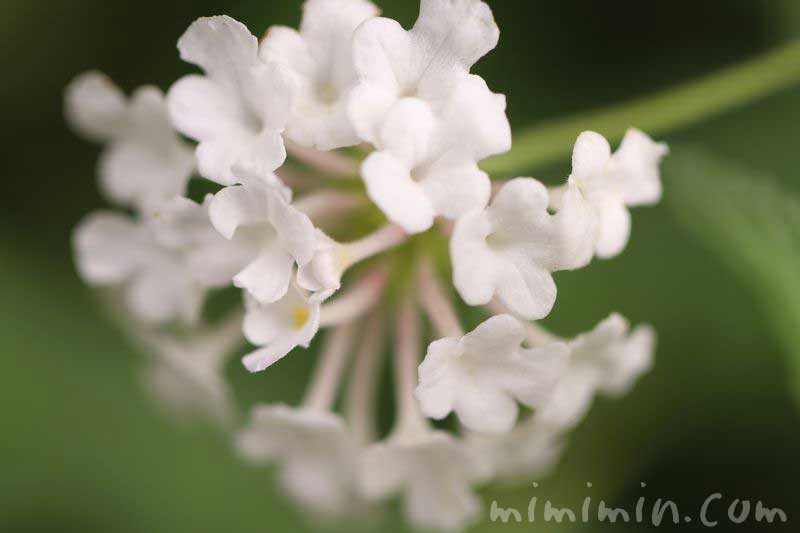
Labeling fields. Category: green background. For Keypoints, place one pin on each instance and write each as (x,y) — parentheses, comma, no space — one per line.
(84,449)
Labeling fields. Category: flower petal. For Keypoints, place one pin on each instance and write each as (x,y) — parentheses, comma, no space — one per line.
(485,409)
(456,187)
(408,129)
(109,247)
(382,54)
(221,46)
(201,108)
(475,266)
(162,293)
(263,323)
(590,155)
(267,278)
(527,289)
(438,386)
(390,186)
(456,31)
(237,206)
(261,156)
(495,339)
(95,107)
(295,230)
(260,360)
(614,229)
(634,358)
(638,159)
(476,119)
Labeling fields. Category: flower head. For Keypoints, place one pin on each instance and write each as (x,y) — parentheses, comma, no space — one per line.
(320,260)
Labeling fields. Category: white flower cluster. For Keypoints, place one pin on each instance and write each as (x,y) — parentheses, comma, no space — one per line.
(353,95)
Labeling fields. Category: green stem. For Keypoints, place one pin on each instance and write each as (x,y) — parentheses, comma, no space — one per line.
(658,113)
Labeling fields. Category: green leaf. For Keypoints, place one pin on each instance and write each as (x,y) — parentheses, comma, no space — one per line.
(752,224)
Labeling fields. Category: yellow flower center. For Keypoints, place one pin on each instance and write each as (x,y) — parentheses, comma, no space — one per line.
(300,317)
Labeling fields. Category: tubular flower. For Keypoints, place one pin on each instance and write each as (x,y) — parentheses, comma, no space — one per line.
(350,253)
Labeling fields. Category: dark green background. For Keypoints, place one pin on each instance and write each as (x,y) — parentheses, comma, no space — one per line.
(84,449)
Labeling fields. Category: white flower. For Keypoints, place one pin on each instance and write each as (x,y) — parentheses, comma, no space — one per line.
(166,262)
(238,110)
(530,450)
(426,62)
(483,374)
(426,164)
(511,248)
(279,327)
(319,60)
(435,473)
(315,451)
(258,216)
(608,359)
(611,184)
(145,161)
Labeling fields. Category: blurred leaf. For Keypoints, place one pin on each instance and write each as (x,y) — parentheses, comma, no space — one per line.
(658,113)
(752,225)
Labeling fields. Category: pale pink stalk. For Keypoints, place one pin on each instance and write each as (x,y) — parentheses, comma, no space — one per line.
(332,164)
(363,385)
(537,335)
(376,243)
(354,303)
(437,305)
(321,393)
(409,419)
(327,203)
(296,180)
